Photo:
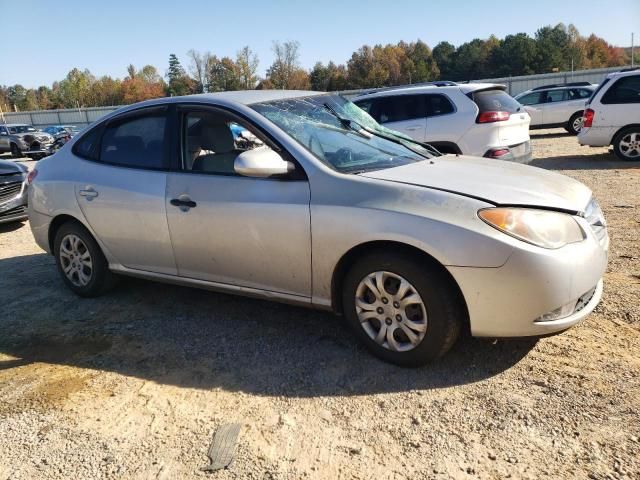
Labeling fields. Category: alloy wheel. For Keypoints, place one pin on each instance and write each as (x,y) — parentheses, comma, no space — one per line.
(391,311)
(75,260)
(577,124)
(629,145)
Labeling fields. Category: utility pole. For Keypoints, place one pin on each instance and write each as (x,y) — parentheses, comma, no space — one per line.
(632,59)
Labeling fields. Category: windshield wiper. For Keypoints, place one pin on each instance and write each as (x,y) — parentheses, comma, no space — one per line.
(346,123)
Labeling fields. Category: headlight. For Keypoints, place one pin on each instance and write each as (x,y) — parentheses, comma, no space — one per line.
(543,228)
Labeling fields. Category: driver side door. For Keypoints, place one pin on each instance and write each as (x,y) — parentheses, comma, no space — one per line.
(230,229)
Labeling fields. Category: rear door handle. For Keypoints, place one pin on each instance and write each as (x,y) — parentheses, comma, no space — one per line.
(183,203)
(89,193)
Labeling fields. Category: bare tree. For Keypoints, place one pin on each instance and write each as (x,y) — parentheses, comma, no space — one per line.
(199,68)
(247,65)
(285,64)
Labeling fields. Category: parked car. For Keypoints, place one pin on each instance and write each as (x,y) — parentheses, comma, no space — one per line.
(13,191)
(555,106)
(330,210)
(61,131)
(612,115)
(477,119)
(24,140)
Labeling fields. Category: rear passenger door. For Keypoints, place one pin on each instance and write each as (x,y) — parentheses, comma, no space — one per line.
(120,188)
(4,139)
(620,105)
(403,113)
(441,119)
(555,109)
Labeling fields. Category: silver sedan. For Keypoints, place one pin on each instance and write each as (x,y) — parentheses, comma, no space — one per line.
(302,197)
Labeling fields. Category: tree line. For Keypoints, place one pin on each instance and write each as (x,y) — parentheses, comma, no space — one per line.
(552,48)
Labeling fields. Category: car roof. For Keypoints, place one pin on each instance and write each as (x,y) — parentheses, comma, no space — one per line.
(248,97)
(625,73)
(409,89)
(16,125)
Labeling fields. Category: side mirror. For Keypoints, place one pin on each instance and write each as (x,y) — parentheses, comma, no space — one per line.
(261,162)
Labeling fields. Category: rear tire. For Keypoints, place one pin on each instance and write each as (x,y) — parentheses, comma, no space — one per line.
(80,261)
(626,144)
(575,124)
(409,327)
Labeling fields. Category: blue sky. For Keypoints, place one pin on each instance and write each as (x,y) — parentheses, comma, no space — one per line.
(107,36)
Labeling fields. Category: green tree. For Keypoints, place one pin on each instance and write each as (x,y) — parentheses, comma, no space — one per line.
(223,75)
(423,66)
(516,55)
(553,49)
(444,56)
(285,71)
(178,82)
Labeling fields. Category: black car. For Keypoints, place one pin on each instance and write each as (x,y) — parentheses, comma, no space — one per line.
(13,191)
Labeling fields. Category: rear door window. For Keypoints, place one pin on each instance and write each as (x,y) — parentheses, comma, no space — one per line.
(135,142)
(625,90)
(556,96)
(495,100)
(401,107)
(438,105)
(531,99)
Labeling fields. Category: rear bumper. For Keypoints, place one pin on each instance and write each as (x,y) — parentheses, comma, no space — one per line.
(510,301)
(596,136)
(39,224)
(520,153)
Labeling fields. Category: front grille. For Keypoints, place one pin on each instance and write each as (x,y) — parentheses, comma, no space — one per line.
(9,191)
(584,300)
(13,212)
(593,215)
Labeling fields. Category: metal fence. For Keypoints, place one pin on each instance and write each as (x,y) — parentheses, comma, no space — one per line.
(515,85)
(44,118)
(85,116)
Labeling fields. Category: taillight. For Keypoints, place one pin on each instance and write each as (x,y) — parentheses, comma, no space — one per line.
(496,152)
(587,118)
(488,117)
(31,176)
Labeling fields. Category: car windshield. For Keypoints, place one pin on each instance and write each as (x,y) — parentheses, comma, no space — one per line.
(342,135)
(21,129)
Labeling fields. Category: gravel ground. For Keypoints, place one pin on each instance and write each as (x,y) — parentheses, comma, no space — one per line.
(133,384)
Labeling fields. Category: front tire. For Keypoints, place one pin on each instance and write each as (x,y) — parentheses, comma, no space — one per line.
(626,144)
(405,311)
(15,151)
(575,123)
(81,263)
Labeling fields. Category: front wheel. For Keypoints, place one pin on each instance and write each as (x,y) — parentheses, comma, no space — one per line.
(405,311)
(575,124)
(80,261)
(15,151)
(626,144)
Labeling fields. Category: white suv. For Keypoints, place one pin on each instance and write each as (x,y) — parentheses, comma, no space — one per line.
(612,116)
(478,119)
(557,106)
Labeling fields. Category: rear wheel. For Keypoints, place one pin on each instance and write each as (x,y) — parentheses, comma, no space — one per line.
(80,261)
(575,123)
(626,144)
(404,311)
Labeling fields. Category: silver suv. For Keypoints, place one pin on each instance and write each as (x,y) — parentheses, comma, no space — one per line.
(24,140)
(557,106)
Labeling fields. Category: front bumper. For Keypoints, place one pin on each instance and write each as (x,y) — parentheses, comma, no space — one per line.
(509,301)
(15,208)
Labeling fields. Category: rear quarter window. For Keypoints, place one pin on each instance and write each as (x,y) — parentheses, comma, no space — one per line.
(87,146)
(495,100)
(624,90)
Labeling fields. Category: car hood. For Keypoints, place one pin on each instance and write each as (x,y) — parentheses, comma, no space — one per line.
(9,168)
(495,181)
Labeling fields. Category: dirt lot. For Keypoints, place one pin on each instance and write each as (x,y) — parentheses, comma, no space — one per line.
(133,384)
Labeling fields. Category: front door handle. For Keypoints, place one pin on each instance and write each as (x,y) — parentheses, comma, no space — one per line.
(183,203)
(89,193)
